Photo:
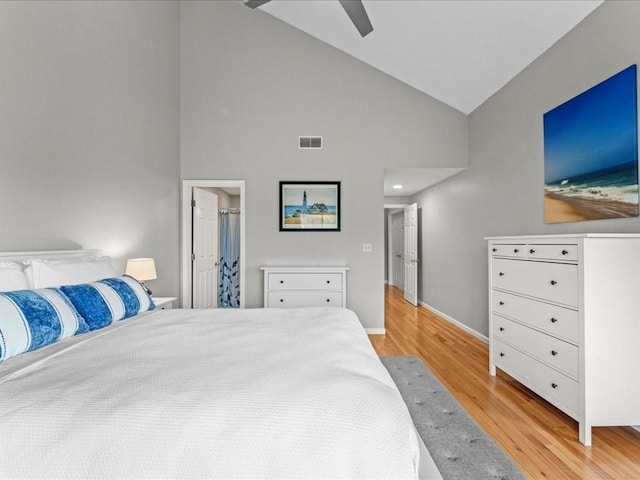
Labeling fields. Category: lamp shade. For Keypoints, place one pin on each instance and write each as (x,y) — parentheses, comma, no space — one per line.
(141,269)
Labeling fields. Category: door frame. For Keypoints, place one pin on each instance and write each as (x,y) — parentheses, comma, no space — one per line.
(187,237)
(393,209)
(390,242)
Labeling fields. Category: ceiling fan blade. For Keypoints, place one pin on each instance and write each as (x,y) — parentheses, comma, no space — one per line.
(255,3)
(358,15)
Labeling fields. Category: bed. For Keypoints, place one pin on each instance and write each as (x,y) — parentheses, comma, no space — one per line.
(251,393)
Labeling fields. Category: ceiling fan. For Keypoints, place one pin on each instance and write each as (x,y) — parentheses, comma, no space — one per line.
(354,8)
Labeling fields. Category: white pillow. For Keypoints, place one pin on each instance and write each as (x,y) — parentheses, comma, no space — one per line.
(54,273)
(12,277)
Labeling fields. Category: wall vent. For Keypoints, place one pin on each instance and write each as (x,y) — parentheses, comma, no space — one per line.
(310,142)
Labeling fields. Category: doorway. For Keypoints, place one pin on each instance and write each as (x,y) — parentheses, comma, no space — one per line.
(189,233)
(402,245)
(395,248)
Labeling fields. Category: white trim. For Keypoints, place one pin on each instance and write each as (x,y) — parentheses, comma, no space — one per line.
(454,321)
(47,255)
(396,205)
(185,260)
(375,331)
(389,279)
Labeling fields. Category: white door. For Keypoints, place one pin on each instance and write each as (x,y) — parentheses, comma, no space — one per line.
(205,249)
(397,250)
(411,254)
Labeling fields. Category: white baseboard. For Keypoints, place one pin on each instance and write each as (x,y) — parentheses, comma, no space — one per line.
(455,322)
(375,331)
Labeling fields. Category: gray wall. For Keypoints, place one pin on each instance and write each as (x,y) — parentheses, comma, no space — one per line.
(224,199)
(251,85)
(106,105)
(89,129)
(501,193)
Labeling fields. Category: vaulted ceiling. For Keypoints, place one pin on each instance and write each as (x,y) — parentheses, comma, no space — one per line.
(460,52)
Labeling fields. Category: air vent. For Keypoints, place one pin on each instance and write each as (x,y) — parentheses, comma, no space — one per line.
(310,142)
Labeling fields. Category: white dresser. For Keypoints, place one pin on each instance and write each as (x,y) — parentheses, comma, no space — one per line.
(564,320)
(305,286)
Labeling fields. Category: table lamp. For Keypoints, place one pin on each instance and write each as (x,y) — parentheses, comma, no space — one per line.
(142,269)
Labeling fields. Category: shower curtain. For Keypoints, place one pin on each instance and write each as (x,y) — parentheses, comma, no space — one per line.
(229,284)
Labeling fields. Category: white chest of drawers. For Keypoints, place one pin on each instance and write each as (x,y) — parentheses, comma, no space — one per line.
(288,287)
(564,320)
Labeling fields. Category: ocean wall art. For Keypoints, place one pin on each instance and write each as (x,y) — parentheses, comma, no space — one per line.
(591,153)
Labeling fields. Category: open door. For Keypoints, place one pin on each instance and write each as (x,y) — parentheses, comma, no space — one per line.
(205,249)
(411,254)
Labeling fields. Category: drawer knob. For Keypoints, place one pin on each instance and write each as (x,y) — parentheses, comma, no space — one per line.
(501,303)
(554,320)
(328,281)
(495,250)
(281,281)
(554,353)
(532,251)
(553,282)
(515,250)
(502,329)
(281,300)
(501,354)
(328,300)
(565,252)
(501,274)
(554,385)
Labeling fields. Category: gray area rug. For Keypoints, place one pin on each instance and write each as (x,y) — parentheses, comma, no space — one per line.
(460,449)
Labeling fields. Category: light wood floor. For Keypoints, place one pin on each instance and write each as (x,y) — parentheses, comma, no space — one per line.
(540,439)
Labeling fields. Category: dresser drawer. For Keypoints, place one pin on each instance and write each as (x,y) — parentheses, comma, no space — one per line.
(304,281)
(558,321)
(567,253)
(508,250)
(300,298)
(557,388)
(552,351)
(556,282)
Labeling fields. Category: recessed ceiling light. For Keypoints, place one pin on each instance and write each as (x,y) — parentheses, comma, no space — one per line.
(397,187)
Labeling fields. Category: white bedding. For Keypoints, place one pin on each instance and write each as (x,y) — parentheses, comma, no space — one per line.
(207,394)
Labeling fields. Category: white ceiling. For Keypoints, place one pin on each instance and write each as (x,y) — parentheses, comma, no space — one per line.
(458,51)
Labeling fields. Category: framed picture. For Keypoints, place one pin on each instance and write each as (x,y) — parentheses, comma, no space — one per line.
(309,206)
(591,153)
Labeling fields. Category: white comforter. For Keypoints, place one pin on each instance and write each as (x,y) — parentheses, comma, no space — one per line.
(296,393)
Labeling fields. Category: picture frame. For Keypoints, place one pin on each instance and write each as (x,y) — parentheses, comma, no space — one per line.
(591,153)
(309,206)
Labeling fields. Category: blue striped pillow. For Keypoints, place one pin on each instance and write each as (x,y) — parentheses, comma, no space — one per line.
(108,300)
(31,319)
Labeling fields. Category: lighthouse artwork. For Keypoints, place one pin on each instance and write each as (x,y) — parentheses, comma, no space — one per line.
(309,206)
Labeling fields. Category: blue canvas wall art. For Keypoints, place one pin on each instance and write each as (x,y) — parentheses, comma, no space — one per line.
(591,153)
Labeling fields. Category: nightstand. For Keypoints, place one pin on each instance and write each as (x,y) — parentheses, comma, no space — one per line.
(164,303)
